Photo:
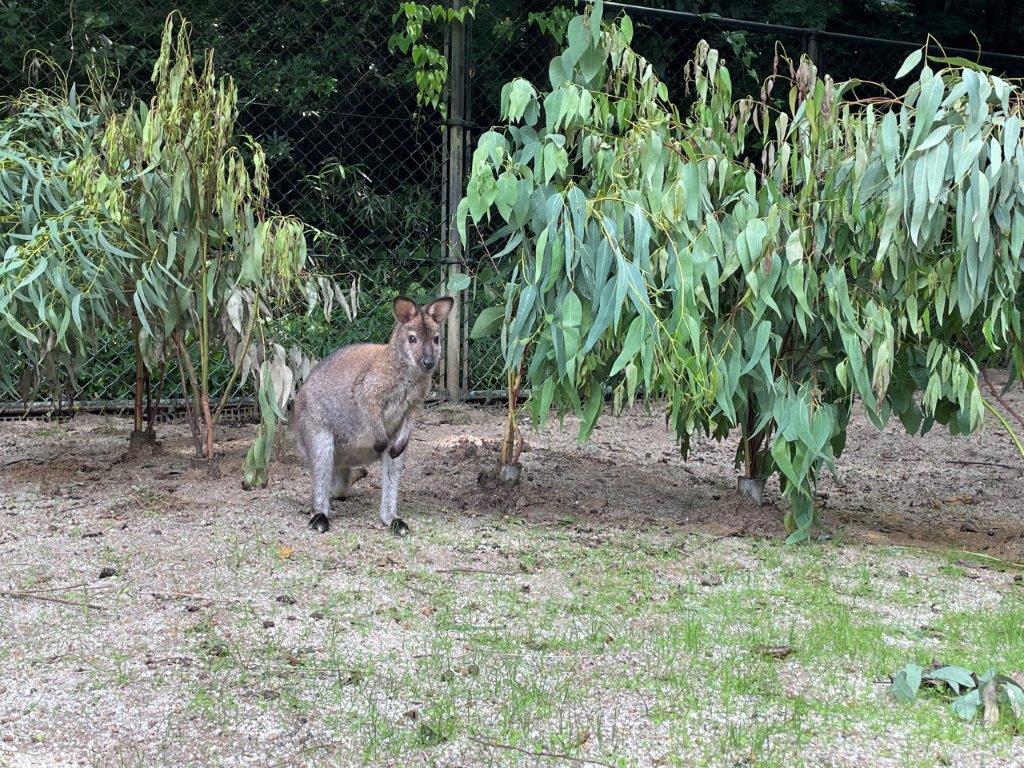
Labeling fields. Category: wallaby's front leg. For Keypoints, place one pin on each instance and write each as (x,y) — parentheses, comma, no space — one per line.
(391,475)
(380,435)
(320,450)
(401,439)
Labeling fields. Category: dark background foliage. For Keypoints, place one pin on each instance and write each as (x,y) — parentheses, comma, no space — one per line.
(350,152)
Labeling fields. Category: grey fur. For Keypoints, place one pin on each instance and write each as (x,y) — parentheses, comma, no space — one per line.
(357,407)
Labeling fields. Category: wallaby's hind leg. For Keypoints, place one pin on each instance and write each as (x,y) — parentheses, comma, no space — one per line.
(320,451)
(344,479)
(391,475)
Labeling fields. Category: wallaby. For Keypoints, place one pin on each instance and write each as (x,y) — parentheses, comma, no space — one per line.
(357,407)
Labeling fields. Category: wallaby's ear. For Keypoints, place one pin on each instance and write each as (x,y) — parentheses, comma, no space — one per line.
(438,310)
(405,309)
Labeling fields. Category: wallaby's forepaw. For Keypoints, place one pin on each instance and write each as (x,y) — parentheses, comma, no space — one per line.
(318,522)
(397,449)
(398,527)
(380,445)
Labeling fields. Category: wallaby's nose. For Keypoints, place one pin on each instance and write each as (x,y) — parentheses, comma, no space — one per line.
(429,363)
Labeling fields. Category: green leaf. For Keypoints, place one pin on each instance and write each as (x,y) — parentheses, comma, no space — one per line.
(907,682)
(910,63)
(458,281)
(572,310)
(488,322)
(966,707)
(626,26)
(592,410)
(630,347)
(955,677)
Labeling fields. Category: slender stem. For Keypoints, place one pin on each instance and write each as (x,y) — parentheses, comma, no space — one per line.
(998,397)
(189,383)
(1006,425)
(237,367)
(139,373)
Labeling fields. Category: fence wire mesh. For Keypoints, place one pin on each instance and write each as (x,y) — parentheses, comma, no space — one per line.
(668,40)
(350,153)
(334,109)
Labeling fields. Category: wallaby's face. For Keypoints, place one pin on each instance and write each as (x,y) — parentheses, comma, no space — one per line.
(418,331)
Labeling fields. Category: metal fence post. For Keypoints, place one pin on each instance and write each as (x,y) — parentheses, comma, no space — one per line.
(812,51)
(456,149)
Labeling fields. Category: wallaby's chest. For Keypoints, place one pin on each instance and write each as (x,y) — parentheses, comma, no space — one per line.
(400,404)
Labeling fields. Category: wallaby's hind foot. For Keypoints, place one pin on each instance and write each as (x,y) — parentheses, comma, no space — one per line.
(398,527)
(318,522)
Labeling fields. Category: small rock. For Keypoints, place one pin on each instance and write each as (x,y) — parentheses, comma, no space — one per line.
(411,714)
(268,623)
(107,571)
(317,615)
(1019,578)
(270,694)
(218,648)
(968,528)
(285,599)
(710,580)
(775,651)
(903,572)
(92,534)
(525,588)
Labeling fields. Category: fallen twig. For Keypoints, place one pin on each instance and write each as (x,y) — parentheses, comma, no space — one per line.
(531,753)
(999,398)
(479,570)
(50,599)
(982,464)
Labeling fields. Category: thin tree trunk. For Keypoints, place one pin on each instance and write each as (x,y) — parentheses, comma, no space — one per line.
(193,398)
(139,375)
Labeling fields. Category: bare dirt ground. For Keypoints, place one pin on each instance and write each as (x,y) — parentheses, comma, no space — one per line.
(151,616)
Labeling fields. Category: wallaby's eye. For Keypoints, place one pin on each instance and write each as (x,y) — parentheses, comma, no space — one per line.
(437,339)
(412,338)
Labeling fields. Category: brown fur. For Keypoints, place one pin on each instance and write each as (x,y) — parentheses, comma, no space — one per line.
(358,404)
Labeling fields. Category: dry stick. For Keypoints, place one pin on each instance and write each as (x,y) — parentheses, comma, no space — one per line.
(478,570)
(50,599)
(185,364)
(531,753)
(38,590)
(982,464)
(237,367)
(999,399)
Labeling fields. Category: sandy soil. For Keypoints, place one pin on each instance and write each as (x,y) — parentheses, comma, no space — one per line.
(71,502)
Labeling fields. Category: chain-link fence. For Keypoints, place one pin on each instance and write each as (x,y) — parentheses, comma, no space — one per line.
(668,40)
(333,107)
(349,151)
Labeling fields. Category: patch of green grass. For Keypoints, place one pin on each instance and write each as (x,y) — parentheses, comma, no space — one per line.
(621,646)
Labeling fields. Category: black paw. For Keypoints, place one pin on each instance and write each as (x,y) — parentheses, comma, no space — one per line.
(318,522)
(398,527)
(380,445)
(397,450)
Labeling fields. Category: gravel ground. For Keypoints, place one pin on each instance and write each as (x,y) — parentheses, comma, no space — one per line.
(151,616)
